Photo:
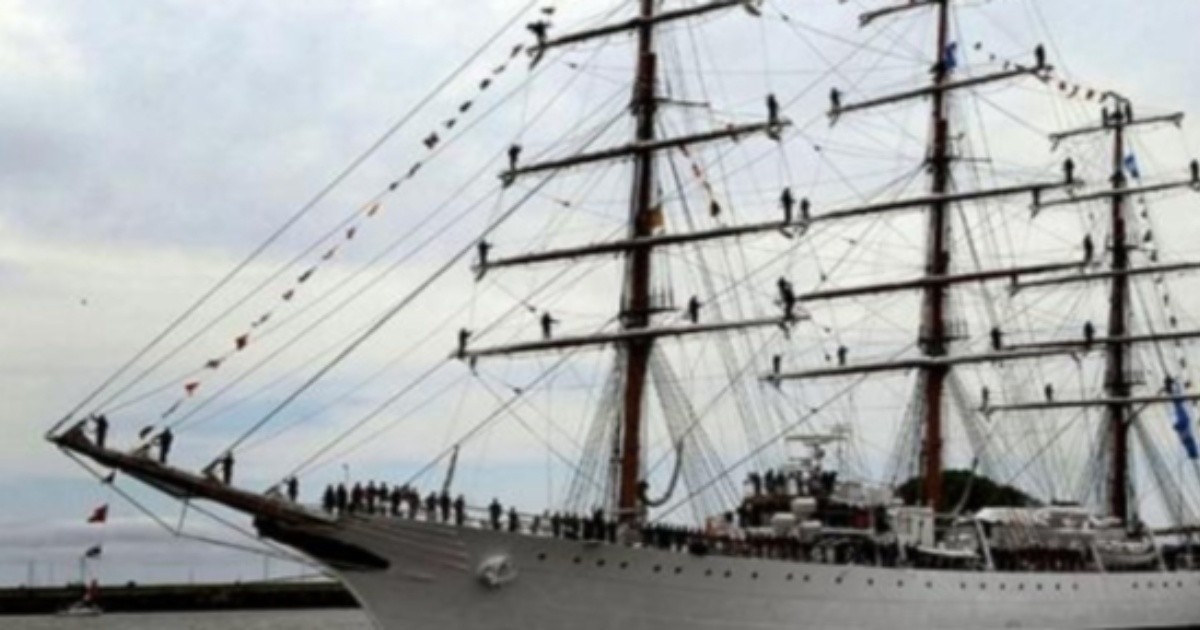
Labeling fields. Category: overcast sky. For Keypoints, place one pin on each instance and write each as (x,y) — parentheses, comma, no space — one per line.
(146,146)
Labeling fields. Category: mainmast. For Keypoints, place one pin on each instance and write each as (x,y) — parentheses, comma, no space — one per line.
(1116,380)
(635,306)
(934,339)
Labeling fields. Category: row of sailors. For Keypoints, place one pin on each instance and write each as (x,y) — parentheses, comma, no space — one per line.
(398,500)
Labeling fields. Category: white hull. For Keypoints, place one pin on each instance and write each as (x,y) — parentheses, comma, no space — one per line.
(433,582)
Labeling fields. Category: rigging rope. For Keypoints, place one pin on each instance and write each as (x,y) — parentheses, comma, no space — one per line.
(271,239)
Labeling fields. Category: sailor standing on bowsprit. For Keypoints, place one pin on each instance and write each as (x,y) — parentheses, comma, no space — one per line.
(227,468)
(164,445)
(101,423)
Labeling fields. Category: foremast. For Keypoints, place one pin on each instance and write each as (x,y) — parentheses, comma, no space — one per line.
(638,333)
(635,306)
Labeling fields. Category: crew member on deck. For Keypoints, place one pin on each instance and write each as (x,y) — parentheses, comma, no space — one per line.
(805,210)
(329,499)
(431,505)
(293,489)
(1089,333)
(755,480)
(1089,249)
(997,339)
(835,100)
(1049,392)
(1069,171)
(693,310)
(444,504)
(494,512)
(514,520)
(841,353)
(1039,56)
(548,323)
(394,500)
(460,510)
(164,445)
(1195,166)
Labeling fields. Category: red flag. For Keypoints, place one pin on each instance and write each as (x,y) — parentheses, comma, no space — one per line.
(99,515)
(191,388)
(242,341)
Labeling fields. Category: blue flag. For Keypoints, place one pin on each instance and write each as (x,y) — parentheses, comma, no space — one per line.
(1131,165)
(950,58)
(1183,424)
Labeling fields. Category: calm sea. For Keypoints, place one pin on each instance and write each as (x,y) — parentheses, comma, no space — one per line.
(269,620)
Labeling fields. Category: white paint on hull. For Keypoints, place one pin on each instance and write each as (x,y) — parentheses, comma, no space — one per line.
(561,584)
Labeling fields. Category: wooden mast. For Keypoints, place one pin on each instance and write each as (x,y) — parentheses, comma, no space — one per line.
(1116,381)
(934,339)
(636,300)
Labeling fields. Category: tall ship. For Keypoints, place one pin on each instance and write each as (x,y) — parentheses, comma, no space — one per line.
(804,315)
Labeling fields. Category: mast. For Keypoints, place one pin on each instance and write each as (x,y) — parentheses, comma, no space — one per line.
(1116,381)
(1118,387)
(636,305)
(934,339)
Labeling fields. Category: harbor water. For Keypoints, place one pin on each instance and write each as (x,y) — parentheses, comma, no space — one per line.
(256,620)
